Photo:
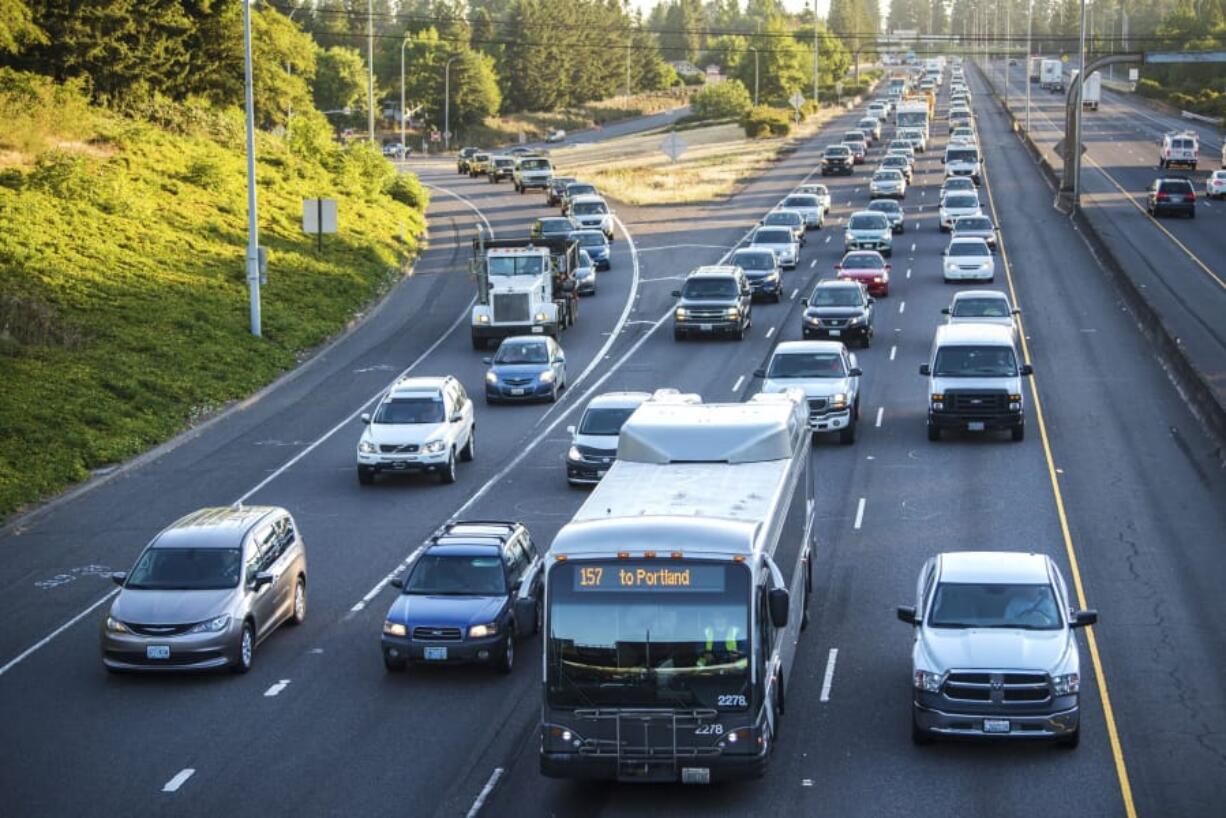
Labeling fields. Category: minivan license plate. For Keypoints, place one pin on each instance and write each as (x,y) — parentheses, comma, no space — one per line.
(440,654)
(157,652)
(975,426)
(995,725)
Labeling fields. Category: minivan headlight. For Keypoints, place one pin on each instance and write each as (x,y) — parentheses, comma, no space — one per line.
(1066,684)
(367,447)
(115,626)
(482,631)
(217,623)
(928,681)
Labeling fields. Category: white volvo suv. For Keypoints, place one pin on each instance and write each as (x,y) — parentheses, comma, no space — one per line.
(420,425)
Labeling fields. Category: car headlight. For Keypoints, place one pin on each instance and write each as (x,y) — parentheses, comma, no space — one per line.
(546,376)
(115,626)
(483,319)
(1066,684)
(395,629)
(367,447)
(772,276)
(491,377)
(732,312)
(217,623)
(541,318)
(938,401)
(482,631)
(573,453)
(680,314)
(434,446)
(839,401)
(855,322)
(949,265)
(928,681)
(812,319)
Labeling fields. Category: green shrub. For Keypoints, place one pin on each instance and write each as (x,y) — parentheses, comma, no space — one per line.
(205,172)
(407,189)
(763,121)
(721,101)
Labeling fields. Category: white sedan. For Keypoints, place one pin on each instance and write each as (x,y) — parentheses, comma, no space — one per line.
(968,260)
(1215,185)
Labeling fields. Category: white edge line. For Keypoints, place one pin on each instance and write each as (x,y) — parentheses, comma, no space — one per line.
(43,642)
(475,809)
(276,688)
(770,331)
(180,778)
(859,513)
(902,307)
(880,414)
(737,386)
(893,350)
(828,679)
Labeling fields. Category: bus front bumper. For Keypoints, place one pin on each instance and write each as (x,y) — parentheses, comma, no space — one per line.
(701,770)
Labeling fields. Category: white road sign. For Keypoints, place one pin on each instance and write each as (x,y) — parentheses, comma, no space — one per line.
(673,146)
(797,99)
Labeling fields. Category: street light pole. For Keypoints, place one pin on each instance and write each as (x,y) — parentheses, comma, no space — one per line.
(370,61)
(1029,55)
(447,103)
(403,43)
(817,100)
(1075,148)
(253,236)
(1008,49)
(755,75)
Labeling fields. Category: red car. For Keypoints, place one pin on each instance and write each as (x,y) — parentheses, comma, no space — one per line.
(869,268)
(859,150)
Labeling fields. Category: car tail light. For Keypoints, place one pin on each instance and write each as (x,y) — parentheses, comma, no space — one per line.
(1161,197)
(1191,196)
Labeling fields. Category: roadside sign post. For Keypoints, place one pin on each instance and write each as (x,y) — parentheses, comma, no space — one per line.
(673,146)
(319,217)
(797,100)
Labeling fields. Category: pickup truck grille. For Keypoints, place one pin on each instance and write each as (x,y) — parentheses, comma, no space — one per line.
(511,308)
(1022,688)
(818,407)
(705,315)
(987,404)
(436,634)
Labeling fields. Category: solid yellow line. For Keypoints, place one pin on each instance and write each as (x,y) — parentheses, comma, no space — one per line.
(1121,770)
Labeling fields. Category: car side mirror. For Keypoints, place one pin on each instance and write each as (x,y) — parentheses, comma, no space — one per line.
(925,369)
(260,580)
(945,311)
(366,417)
(889,267)
(777,600)
(1083,618)
(487,360)
(1016,312)
(871,300)
(906,613)
(804,302)
(456,417)
(855,372)
(676,293)
(397,582)
(119,577)
(524,611)
(759,373)
(1027,369)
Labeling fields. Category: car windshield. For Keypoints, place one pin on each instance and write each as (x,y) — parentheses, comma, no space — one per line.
(450,575)
(590,208)
(968,248)
(973,223)
(863,261)
(841,150)
(712,287)
(962,155)
(561,182)
(780,217)
(772,236)
(534,164)
(630,634)
(522,352)
(972,307)
(807,365)
(579,190)
(186,569)
(853,136)
(895,161)
(504,163)
(421,409)
(975,362)
(516,265)
(754,261)
(887,176)
(590,238)
(556,225)
(605,421)
(800,201)
(961,200)
(886,206)
(993,605)
(836,297)
(867,221)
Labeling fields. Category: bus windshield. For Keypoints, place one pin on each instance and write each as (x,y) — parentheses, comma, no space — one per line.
(649,633)
(912,119)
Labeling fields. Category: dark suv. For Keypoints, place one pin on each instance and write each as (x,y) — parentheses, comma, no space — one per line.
(468,593)
(461,162)
(838,159)
(839,309)
(761,269)
(714,300)
(1171,194)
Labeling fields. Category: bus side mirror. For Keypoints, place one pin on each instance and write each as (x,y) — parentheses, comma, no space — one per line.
(777,599)
(525,615)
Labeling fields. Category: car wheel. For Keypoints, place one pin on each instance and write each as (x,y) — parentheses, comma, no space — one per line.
(919,736)
(848,436)
(1191,214)
(1070,741)
(244,651)
(1019,433)
(866,339)
(447,475)
(855,413)
(506,662)
(366,477)
(934,432)
(394,665)
(298,615)
(470,448)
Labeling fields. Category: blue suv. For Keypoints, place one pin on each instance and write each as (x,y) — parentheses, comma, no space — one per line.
(468,593)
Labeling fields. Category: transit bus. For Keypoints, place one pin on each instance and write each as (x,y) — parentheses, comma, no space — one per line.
(675,597)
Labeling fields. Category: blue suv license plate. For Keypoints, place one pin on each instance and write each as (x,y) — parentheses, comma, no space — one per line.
(436,654)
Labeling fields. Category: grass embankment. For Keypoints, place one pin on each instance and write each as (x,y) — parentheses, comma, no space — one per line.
(123,299)
(717,160)
(504,130)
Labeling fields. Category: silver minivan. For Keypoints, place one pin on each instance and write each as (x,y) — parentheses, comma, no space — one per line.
(206,591)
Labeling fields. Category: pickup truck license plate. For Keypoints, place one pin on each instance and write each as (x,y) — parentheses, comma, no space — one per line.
(995,725)
(835,333)
(440,654)
(538,329)
(705,327)
(975,426)
(157,652)
(517,391)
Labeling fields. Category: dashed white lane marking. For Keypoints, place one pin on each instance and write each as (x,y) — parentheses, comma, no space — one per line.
(880,413)
(475,809)
(912,247)
(893,350)
(736,386)
(792,297)
(813,263)
(281,685)
(859,513)
(827,239)
(908,272)
(770,331)
(902,307)
(828,679)
(180,777)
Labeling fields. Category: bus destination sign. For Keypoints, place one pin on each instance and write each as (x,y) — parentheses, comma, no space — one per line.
(652,576)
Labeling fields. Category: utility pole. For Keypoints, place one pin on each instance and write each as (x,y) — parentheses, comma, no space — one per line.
(447,103)
(253,236)
(370,61)
(1008,49)
(403,43)
(755,75)
(629,46)
(817,100)
(1075,148)
(1029,54)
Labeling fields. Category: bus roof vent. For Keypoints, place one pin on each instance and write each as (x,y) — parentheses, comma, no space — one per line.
(765,428)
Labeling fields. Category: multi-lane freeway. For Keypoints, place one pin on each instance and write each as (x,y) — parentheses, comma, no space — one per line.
(1117,482)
